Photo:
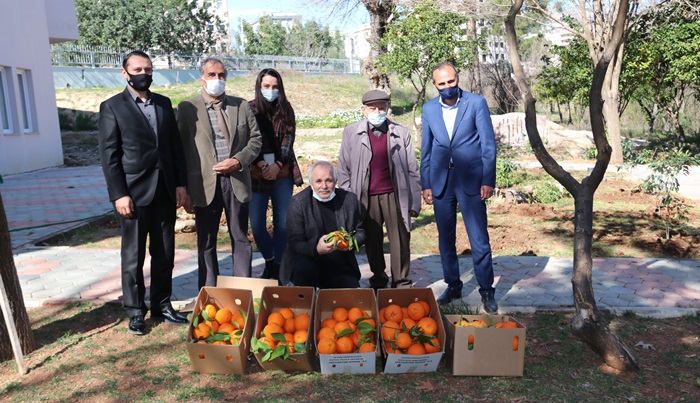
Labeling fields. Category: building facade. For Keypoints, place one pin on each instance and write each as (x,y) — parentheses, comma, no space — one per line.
(31,136)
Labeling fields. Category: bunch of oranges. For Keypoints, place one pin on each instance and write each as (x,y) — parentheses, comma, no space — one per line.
(410,329)
(464,322)
(347,331)
(218,326)
(285,333)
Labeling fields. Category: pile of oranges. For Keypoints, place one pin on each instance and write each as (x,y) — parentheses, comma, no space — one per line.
(464,322)
(347,331)
(285,332)
(410,329)
(218,326)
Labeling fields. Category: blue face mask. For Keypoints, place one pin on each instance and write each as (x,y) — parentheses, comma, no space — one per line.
(376,119)
(270,95)
(449,93)
(317,197)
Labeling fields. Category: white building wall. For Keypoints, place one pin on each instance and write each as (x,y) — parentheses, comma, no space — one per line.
(24,49)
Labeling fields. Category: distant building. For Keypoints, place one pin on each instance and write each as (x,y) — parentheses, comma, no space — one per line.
(357,43)
(558,36)
(31,135)
(287,20)
(222,30)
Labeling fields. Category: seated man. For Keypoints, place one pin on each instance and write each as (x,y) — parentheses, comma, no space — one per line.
(313,214)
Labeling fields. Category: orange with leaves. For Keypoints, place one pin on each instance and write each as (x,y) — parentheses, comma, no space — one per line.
(271,329)
(389,330)
(427,325)
(211,311)
(435,347)
(403,341)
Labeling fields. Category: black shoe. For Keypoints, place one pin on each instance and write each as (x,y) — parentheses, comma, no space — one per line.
(169,316)
(449,295)
(269,269)
(276,271)
(490,305)
(137,325)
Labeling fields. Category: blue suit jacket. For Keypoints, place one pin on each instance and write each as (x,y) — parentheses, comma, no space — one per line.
(472,149)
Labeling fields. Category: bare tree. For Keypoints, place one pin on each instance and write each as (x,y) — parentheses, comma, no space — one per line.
(587,324)
(8,271)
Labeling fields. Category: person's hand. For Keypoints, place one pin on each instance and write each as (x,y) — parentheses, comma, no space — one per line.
(428,196)
(180,196)
(227,166)
(413,213)
(261,164)
(270,173)
(324,247)
(486,192)
(188,205)
(124,206)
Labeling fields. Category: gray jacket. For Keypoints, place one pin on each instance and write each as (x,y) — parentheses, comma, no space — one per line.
(356,154)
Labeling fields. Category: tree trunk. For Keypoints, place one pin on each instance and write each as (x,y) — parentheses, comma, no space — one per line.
(587,323)
(611,93)
(677,126)
(14,294)
(561,116)
(379,13)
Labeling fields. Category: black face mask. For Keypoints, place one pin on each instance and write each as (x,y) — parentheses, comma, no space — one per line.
(140,82)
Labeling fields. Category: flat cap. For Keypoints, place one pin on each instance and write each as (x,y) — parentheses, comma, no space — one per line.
(375,96)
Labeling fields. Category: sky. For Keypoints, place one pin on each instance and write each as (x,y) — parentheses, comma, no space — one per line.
(250,10)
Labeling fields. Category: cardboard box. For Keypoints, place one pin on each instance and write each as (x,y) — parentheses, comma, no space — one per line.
(256,285)
(222,359)
(299,300)
(492,351)
(326,302)
(403,363)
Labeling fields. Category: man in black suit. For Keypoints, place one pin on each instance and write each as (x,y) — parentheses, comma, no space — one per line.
(142,160)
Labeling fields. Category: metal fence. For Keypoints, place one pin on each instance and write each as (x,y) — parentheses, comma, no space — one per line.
(78,56)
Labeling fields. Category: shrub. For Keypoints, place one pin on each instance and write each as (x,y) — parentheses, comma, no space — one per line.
(507,173)
(84,122)
(333,120)
(546,192)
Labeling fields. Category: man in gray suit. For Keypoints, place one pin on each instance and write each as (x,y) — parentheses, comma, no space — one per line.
(220,139)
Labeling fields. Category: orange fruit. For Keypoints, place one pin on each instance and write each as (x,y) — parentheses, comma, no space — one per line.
(211,311)
(408,323)
(301,321)
(416,349)
(426,306)
(404,311)
(287,313)
(432,348)
(329,322)
(289,325)
(325,333)
(478,323)
(271,329)
(202,331)
(219,342)
(382,319)
(390,350)
(344,345)
(300,336)
(340,326)
(326,346)
(507,325)
(389,330)
(368,348)
(340,314)
(403,341)
(427,325)
(393,313)
(370,322)
(201,342)
(276,318)
(416,311)
(223,315)
(214,325)
(516,343)
(289,337)
(354,314)
(289,345)
(226,327)
(237,319)
(470,342)
(272,343)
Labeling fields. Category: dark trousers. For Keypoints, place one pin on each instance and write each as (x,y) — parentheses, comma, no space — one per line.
(207,220)
(474,214)
(310,272)
(157,221)
(384,209)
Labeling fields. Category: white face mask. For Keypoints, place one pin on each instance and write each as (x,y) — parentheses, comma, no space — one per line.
(215,87)
(376,119)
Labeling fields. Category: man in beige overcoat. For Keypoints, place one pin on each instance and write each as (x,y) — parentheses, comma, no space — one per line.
(377,163)
(220,140)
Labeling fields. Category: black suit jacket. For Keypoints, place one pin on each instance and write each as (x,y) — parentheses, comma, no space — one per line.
(130,155)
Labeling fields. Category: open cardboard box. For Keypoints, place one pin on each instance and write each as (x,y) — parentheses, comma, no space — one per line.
(299,300)
(492,351)
(403,363)
(326,302)
(222,359)
(255,285)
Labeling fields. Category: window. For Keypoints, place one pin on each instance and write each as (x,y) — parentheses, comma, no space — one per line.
(5,103)
(26,100)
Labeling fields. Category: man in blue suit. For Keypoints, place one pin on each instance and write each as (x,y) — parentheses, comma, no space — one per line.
(458,166)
